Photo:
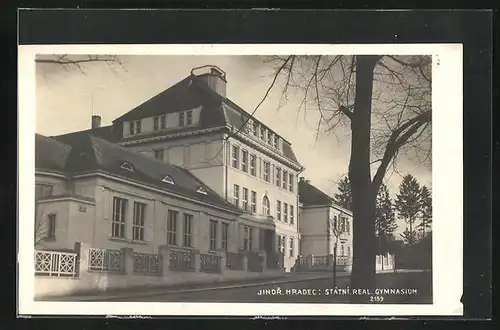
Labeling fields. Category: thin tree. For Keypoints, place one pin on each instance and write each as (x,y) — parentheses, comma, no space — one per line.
(344,196)
(41,228)
(385,102)
(425,210)
(337,227)
(385,219)
(408,203)
(78,62)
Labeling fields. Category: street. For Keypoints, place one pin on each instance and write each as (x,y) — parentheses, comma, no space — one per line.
(417,286)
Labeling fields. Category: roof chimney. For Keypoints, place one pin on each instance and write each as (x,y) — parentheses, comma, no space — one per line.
(214,78)
(96,122)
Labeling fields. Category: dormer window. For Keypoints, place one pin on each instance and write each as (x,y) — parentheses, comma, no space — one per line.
(127,166)
(263,133)
(168,179)
(181,119)
(132,127)
(138,126)
(189,117)
(276,141)
(156,123)
(270,138)
(202,191)
(163,121)
(255,129)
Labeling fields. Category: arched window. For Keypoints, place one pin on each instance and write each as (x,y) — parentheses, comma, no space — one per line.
(266,207)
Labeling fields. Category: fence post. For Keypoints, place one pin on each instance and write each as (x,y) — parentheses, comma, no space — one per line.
(82,257)
(245,262)
(197,260)
(264,260)
(164,252)
(222,262)
(127,259)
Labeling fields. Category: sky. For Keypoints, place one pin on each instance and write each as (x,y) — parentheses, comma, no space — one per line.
(67,97)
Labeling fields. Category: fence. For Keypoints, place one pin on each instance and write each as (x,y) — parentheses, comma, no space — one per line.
(234,261)
(254,262)
(105,260)
(182,260)
(53,263)
(147,264)
(210,263)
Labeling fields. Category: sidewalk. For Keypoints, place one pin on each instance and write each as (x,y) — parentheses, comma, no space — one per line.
(190,287)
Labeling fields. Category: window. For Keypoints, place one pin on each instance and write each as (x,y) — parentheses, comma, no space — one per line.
(43,190)
(291,247)
(236,195)
(127,166)
(163,121)
(285,212)
(131,127)
(342,249)
(334,222)
(156,121)
(291,215)
(189,117)
(172,227)
(202,191)
(244,161)
(245,199)
(138,223)
(247,238)
(213,235)
(281,243)
(266,206)
(253,202)
(51,230)
(285,180)
(187,226)
(235,156)
(158,154)
(119,216)
(275,141)
(253,167)
(290,182)
(181,118)
(347,226)
(138,127)
(348,251)
(225,235)
(168,179)
(263,133)
(267,169)
(255,129)
(278,210)
(278,177)
(270,138)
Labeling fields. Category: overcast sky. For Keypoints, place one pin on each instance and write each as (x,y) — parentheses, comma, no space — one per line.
(67,98)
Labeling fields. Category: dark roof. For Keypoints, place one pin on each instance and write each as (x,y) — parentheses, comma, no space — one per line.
(310,195)
(191,93)
(108,133)
(50,154)
(91,153)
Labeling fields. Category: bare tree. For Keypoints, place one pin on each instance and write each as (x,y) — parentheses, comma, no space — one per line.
(336,228)
(77,61)
(41,228)
(385,102)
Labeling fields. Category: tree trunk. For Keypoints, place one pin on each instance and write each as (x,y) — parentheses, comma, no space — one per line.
(363,194)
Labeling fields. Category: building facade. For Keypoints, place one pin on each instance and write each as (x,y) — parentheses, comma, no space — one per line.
(323,224)
(194,125)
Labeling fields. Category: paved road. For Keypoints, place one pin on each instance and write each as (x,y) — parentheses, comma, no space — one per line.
(310,291)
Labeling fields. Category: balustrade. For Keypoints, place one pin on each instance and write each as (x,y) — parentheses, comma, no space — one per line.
(53,263)
(105,260)
(210,263)
(182,260)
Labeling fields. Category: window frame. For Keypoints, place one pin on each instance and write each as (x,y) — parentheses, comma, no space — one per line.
(292,220)
(266,205)
(285,212)
(244,198)
(138,126)
(244,160)
(291,251)
(267,171)
(187,230)
(278,210)
(189,117)
(119,212)
(253,201)
(291,178)
(284,180)
(253,165)
(235,159)
(236,195)
(163,121)
(225,236)
(213,235)
(131,127)
(172,219)
(278,177)
(182,120)
(156,123)
(51,226)
(139,221)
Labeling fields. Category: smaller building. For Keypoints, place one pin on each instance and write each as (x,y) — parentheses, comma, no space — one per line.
(322,225)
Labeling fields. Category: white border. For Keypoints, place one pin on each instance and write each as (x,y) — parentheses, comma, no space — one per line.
(447,187)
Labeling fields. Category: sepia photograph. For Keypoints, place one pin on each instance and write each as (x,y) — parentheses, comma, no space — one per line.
(272,179)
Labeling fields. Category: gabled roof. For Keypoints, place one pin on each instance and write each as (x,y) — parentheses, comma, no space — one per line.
(90,153)
(190,93)
(310,195)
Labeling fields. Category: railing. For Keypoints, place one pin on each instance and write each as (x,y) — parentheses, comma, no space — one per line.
(234,261)
(147,264)
(52,263)
(210,263)
(343,260)
(182,260)
(274,260)
(319,261)
(254,262)
(105,260)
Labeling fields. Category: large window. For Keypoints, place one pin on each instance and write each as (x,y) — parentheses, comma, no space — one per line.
(187,230)
(278,210)
(172,227)
(244,200)
(285,212)
(51,226)
(236,195)
(266,207)
(278,176)
(43,190)
(253,167)
(290,182)
(281,243)
(225,235)
(247,239)
(235,156)
(119,217)
(244,161)
(285,180)
(267,170)
(213,235)
(138,224)
(291,247)
(253,202)
(292,220)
